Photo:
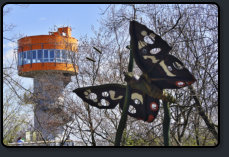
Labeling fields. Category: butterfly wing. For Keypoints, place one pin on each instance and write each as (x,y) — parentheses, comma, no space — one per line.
(163,69)
(105,96)
(171,74)
(108,96)
(142,106)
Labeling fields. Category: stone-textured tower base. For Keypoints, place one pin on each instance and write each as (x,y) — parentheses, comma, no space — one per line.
(50,114)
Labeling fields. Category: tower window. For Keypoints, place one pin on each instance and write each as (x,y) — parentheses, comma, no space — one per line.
(64,56)
(69,53)
(40,56)
(46,56)
(58,59)
(51,55)
(24,58)
(28,57)
(34,56)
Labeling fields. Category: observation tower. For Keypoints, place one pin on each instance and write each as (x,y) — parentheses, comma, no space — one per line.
(48,59)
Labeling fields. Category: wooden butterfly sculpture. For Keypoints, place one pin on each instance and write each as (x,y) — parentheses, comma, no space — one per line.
(160,71)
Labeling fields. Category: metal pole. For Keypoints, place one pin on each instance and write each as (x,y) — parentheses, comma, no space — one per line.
(122,122)
(166,123)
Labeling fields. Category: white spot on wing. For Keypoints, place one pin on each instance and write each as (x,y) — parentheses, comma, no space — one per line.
(132,109)
(93,97)
(104,102)
(148,40)
(155,51)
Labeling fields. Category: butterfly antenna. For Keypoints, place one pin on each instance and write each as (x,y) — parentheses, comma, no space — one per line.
(90,59)
(97,50)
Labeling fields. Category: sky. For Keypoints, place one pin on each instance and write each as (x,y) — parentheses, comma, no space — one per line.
(36,19)
(39,19)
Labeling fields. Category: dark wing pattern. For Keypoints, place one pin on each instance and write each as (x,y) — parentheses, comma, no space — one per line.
(108,96)
(151,54)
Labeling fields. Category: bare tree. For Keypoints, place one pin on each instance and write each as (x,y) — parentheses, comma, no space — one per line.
(192,31)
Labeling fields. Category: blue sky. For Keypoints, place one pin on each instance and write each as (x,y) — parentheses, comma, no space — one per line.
(39,19)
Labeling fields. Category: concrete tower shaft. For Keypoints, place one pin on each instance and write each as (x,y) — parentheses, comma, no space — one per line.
(50,113)
(48,59)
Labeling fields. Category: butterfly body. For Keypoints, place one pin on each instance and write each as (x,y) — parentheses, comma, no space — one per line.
(143,84)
